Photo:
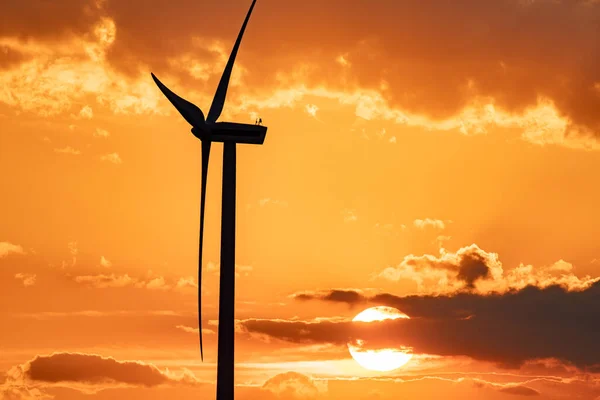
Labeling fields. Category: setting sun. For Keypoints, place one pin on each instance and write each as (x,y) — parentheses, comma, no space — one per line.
(383,359)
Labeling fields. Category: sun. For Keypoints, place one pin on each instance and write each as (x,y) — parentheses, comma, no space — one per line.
(379,360)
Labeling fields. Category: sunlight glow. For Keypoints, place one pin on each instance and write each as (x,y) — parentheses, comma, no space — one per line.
(379,360)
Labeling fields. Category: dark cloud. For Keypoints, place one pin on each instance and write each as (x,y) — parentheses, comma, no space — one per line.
(507,329)
(94,369)
(42,19)
(434,56)
(10,57)
(350,296)
(472,267)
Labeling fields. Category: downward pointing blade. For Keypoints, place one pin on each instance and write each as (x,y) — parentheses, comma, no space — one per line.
(192,114)
(219,99)
(205,156)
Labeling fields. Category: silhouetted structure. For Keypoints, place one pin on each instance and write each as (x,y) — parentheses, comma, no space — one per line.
(230,134)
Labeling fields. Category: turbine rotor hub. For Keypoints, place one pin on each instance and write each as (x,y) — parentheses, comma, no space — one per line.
(201,131)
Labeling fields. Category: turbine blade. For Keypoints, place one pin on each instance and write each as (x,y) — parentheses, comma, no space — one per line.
(205,156)
(219,99)
(192,114)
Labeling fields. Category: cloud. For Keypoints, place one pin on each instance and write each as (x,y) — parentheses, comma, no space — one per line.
(101,133)
(441,239)
(312,109)
(27,279)
(86,112)
(189,329)
(156,283)
(74,251)
(10,390)
(349,215)
(212,267)
(520,390)
(449,272)
(68,150)
(57,75)
(70,17)
(498,66)
(100,314)
(103,281)
(505,328)
(243,270)
(90,373)
(10,57)
(7,248)
(350,296)
(104,262)
(429,222)
(151,282)
(471,268)
(343,61)
(267,200)
(487,75)
(240,270)
(112,158)
(188,282)
(293,385)
(446,385)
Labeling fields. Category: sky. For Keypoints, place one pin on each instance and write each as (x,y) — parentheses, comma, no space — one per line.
(436,157)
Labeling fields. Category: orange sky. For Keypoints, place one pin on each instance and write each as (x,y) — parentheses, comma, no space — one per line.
(437,157)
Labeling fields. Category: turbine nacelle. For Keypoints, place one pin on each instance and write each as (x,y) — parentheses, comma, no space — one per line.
(231,132)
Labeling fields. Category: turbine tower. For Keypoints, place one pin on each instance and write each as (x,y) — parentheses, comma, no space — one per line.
(209,130)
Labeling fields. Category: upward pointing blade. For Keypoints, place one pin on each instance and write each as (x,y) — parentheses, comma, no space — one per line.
(205,156)
(219,99)
(192,114)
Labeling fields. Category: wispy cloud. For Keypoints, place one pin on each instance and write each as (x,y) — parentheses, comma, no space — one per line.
(268,200)
(349,215)
(429,222)
(104,262)
(240,270)
(67,150)
(73,250)
(150,282)
(343,61)
(26,279)
(189,329)
(7,248)
(101,133)
(86,112)
(311,109)
(112,158)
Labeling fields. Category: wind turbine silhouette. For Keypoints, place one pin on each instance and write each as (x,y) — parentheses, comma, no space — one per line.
(230,133)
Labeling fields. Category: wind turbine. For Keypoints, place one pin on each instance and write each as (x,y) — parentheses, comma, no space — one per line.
(209,130)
